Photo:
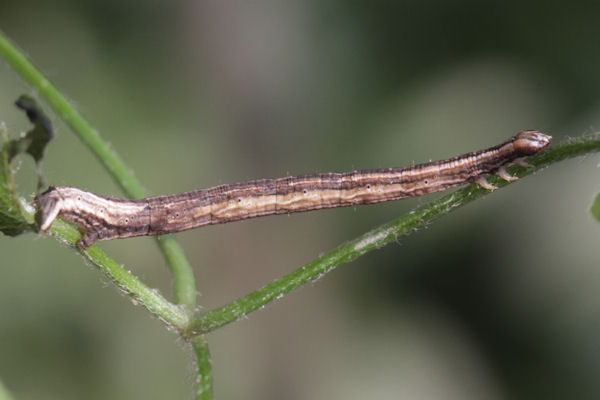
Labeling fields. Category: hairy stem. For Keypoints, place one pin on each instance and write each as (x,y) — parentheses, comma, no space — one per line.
(172,314)
(204,368)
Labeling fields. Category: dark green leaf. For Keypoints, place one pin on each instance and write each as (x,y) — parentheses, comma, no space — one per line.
(35,141)
(13,220)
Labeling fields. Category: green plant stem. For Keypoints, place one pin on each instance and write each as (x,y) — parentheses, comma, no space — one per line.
(184,281)
(382,236)
(204,368)
(173,315)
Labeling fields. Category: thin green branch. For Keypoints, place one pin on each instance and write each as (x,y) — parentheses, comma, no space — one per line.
(204,368)
(184,281)
(172,314)
(382,236)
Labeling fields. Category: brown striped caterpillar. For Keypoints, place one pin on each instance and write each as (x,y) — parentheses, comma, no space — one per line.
(104,218)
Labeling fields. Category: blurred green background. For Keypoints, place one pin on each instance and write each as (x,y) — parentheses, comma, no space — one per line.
(499,300)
